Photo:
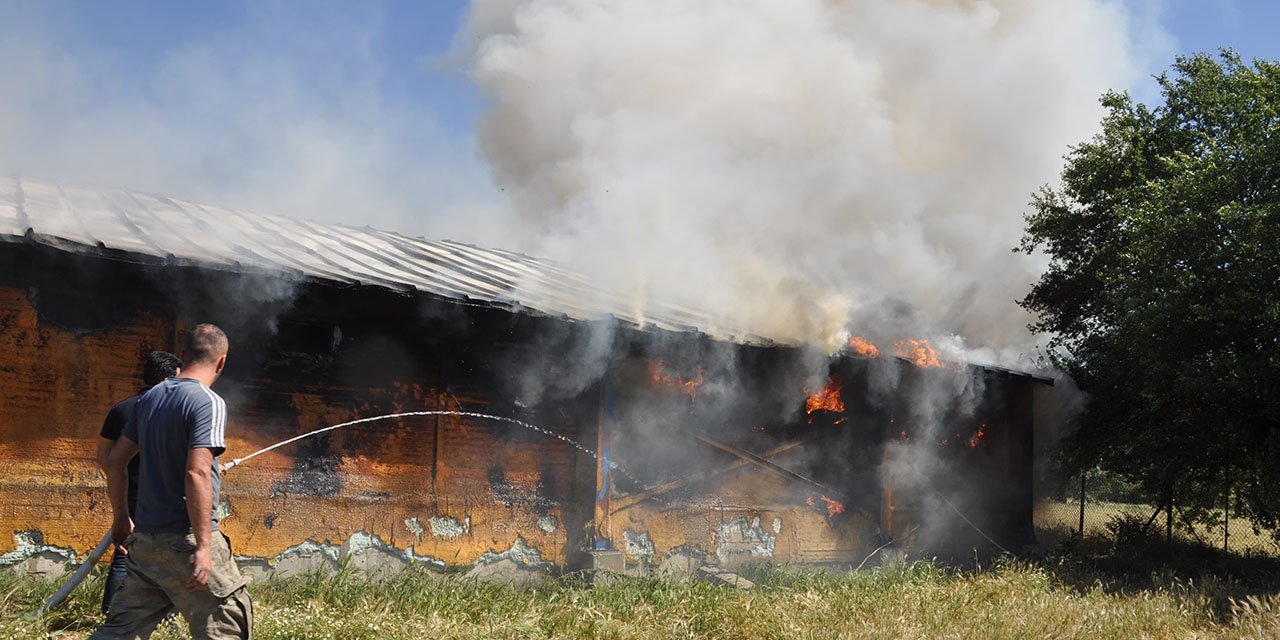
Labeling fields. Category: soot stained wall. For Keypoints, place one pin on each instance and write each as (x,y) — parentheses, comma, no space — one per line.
(73,330)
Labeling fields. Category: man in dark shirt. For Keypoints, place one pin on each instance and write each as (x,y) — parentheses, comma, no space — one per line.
(158,366)
(177,557)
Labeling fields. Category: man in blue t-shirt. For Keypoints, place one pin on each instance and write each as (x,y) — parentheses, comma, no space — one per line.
(177,557)
(158,366)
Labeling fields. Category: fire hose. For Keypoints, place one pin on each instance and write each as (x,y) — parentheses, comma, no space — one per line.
(94,556)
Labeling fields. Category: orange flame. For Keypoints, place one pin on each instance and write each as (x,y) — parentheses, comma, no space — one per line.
(977,436)
(863,348)
(826,400)
(661,376)
(917,352)
(834,507)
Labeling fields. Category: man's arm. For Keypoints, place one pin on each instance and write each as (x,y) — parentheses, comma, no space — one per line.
(112,427)
(199,486)
(117,467)
(104,450)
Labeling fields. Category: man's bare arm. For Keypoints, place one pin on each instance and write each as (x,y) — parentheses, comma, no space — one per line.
(117,467)
(199,486)
(104,450)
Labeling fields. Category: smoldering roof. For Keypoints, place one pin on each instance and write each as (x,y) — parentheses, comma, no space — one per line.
(153,229)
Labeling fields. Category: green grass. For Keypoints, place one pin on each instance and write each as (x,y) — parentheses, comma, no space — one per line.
(1064,597)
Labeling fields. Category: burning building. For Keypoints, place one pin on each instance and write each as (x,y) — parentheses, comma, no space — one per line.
(643,436)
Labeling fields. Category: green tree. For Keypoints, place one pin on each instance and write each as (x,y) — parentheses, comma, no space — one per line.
(1162,294)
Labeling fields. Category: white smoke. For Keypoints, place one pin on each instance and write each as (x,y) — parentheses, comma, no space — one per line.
(800,168)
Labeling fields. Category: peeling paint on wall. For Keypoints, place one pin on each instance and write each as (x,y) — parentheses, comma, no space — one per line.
(414,527)
(448,527)
(363,551)
(638,545)
(306,557)
(548,524)
(31,543)
(738,541)
(361,542)
(520,552)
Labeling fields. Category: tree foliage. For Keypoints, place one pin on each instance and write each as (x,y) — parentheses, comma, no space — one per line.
(1163,290)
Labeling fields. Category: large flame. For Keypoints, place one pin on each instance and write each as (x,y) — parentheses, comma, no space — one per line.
(917,352)
(828,399)
(863,347)
(662,376)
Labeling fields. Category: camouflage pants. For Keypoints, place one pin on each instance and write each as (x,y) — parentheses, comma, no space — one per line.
(159,567)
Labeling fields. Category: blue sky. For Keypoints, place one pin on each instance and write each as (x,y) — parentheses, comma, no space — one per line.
(226,100)
(1190,26)
(415,37)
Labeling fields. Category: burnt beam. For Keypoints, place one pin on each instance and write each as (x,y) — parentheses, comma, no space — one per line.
(626,502)
(761,462)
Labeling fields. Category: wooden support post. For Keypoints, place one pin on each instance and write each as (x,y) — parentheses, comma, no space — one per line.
(1168,517)
(604,470)
(1082,474)
(1226,512)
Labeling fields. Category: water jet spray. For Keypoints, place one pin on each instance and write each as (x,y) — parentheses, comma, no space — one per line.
(96,554)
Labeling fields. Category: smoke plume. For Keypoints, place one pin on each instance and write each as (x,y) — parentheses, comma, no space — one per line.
(802,169)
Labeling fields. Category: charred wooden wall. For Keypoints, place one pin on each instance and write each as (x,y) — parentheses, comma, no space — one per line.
(454,490)
(880,469)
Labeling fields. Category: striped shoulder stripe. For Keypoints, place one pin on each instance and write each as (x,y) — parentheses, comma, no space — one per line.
(221,424)
(218,422)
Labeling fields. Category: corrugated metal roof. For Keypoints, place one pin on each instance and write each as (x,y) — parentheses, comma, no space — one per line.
(151,228)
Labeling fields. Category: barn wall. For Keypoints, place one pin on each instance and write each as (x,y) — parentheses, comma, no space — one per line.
(448,490)
(55,389)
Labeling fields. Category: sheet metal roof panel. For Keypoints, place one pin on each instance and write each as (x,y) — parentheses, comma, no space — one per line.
(85,219)
(491,281)
(149,213)
(323,249)
(280,246)
(49,214)
(107,226)
(183,235)
(446,281)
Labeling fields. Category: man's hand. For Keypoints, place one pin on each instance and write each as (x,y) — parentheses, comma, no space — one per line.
(121,528)
(202,564)
(117,488)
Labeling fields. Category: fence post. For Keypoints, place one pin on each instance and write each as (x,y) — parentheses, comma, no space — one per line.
(1082,505)
(1226,513)
(1168,517)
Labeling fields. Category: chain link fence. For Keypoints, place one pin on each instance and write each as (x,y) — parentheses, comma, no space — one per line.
(1100,507)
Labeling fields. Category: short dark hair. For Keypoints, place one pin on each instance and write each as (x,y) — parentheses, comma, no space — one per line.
(205,343)
(158,366)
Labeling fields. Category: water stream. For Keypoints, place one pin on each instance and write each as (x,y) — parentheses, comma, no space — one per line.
(443,412)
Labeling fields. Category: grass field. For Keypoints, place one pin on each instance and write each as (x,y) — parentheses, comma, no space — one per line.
(1057,598)
(1065,517)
